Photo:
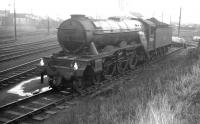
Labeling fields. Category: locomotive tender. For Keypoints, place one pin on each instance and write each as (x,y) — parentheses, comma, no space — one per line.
(96,49)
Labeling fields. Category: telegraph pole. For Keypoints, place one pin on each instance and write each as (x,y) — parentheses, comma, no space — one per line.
(179,25)
(4,21)
(15,25)
(48,25)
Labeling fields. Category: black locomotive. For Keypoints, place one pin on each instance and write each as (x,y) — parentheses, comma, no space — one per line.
(93,49)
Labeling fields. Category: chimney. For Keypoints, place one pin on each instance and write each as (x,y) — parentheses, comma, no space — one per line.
(78,16)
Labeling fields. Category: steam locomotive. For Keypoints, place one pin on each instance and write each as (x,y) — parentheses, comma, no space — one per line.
(97,49)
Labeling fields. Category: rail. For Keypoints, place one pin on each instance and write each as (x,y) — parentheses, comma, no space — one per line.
(22,54)
(9,76)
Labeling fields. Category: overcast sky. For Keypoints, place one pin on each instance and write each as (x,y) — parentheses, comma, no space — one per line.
(106,8)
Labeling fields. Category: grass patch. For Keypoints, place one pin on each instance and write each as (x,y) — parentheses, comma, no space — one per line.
(164,94)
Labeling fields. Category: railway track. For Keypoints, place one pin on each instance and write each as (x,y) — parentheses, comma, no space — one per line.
(16,111)
(19,54)
(18,47)
(7,39)
(18,73)
(32,106)
(24,71)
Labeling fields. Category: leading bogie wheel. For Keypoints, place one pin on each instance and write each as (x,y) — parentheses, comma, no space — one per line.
(98,78)
(78,84)
(55,83)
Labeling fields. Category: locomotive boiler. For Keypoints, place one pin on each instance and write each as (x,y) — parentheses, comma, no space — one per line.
(79,31)
(97,49)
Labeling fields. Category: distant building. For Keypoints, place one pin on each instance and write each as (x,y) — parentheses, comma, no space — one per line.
(4,17)
(26,19)
(7,18)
